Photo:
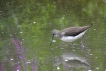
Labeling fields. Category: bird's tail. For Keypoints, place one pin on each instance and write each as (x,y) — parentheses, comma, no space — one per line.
(90,25)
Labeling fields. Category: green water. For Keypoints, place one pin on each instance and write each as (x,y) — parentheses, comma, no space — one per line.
(33,20)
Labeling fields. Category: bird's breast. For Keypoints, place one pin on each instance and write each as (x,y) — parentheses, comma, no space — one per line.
(68,38)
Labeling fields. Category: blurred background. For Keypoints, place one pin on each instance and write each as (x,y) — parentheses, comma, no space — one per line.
(25,35)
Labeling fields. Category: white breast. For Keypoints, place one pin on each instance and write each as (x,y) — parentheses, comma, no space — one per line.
(72,38)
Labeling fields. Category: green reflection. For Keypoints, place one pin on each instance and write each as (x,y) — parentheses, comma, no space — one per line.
(33,21)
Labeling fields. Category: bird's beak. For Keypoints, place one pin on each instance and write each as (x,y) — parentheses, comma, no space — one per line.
(51,40)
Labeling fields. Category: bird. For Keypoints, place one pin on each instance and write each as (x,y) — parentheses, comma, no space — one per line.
(70,34)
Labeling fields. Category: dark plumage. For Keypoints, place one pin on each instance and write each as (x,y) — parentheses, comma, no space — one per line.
(73,31)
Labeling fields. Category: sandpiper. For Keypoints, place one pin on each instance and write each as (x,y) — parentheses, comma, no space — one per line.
(70,34)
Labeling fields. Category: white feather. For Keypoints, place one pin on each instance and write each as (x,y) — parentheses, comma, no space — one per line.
(72,38)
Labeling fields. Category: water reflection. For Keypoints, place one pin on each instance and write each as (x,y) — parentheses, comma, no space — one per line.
(33,21)
(15,57)
(71,60)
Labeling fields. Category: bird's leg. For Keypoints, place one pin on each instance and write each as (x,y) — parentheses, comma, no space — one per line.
(72,44)
(82,45)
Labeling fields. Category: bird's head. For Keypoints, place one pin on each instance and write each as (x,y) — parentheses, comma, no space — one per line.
(54,33)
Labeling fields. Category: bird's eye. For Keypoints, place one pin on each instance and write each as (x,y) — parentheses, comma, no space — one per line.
(52,34)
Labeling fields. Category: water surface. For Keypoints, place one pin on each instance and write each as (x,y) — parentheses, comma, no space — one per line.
(26,27)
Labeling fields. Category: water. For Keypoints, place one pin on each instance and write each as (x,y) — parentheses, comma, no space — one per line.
(25,36)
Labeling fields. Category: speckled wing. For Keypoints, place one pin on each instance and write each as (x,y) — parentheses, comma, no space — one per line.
(73,31)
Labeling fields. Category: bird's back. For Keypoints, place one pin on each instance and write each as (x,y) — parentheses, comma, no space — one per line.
(73,31)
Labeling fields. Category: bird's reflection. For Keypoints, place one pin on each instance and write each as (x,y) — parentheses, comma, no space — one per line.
(70,61)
